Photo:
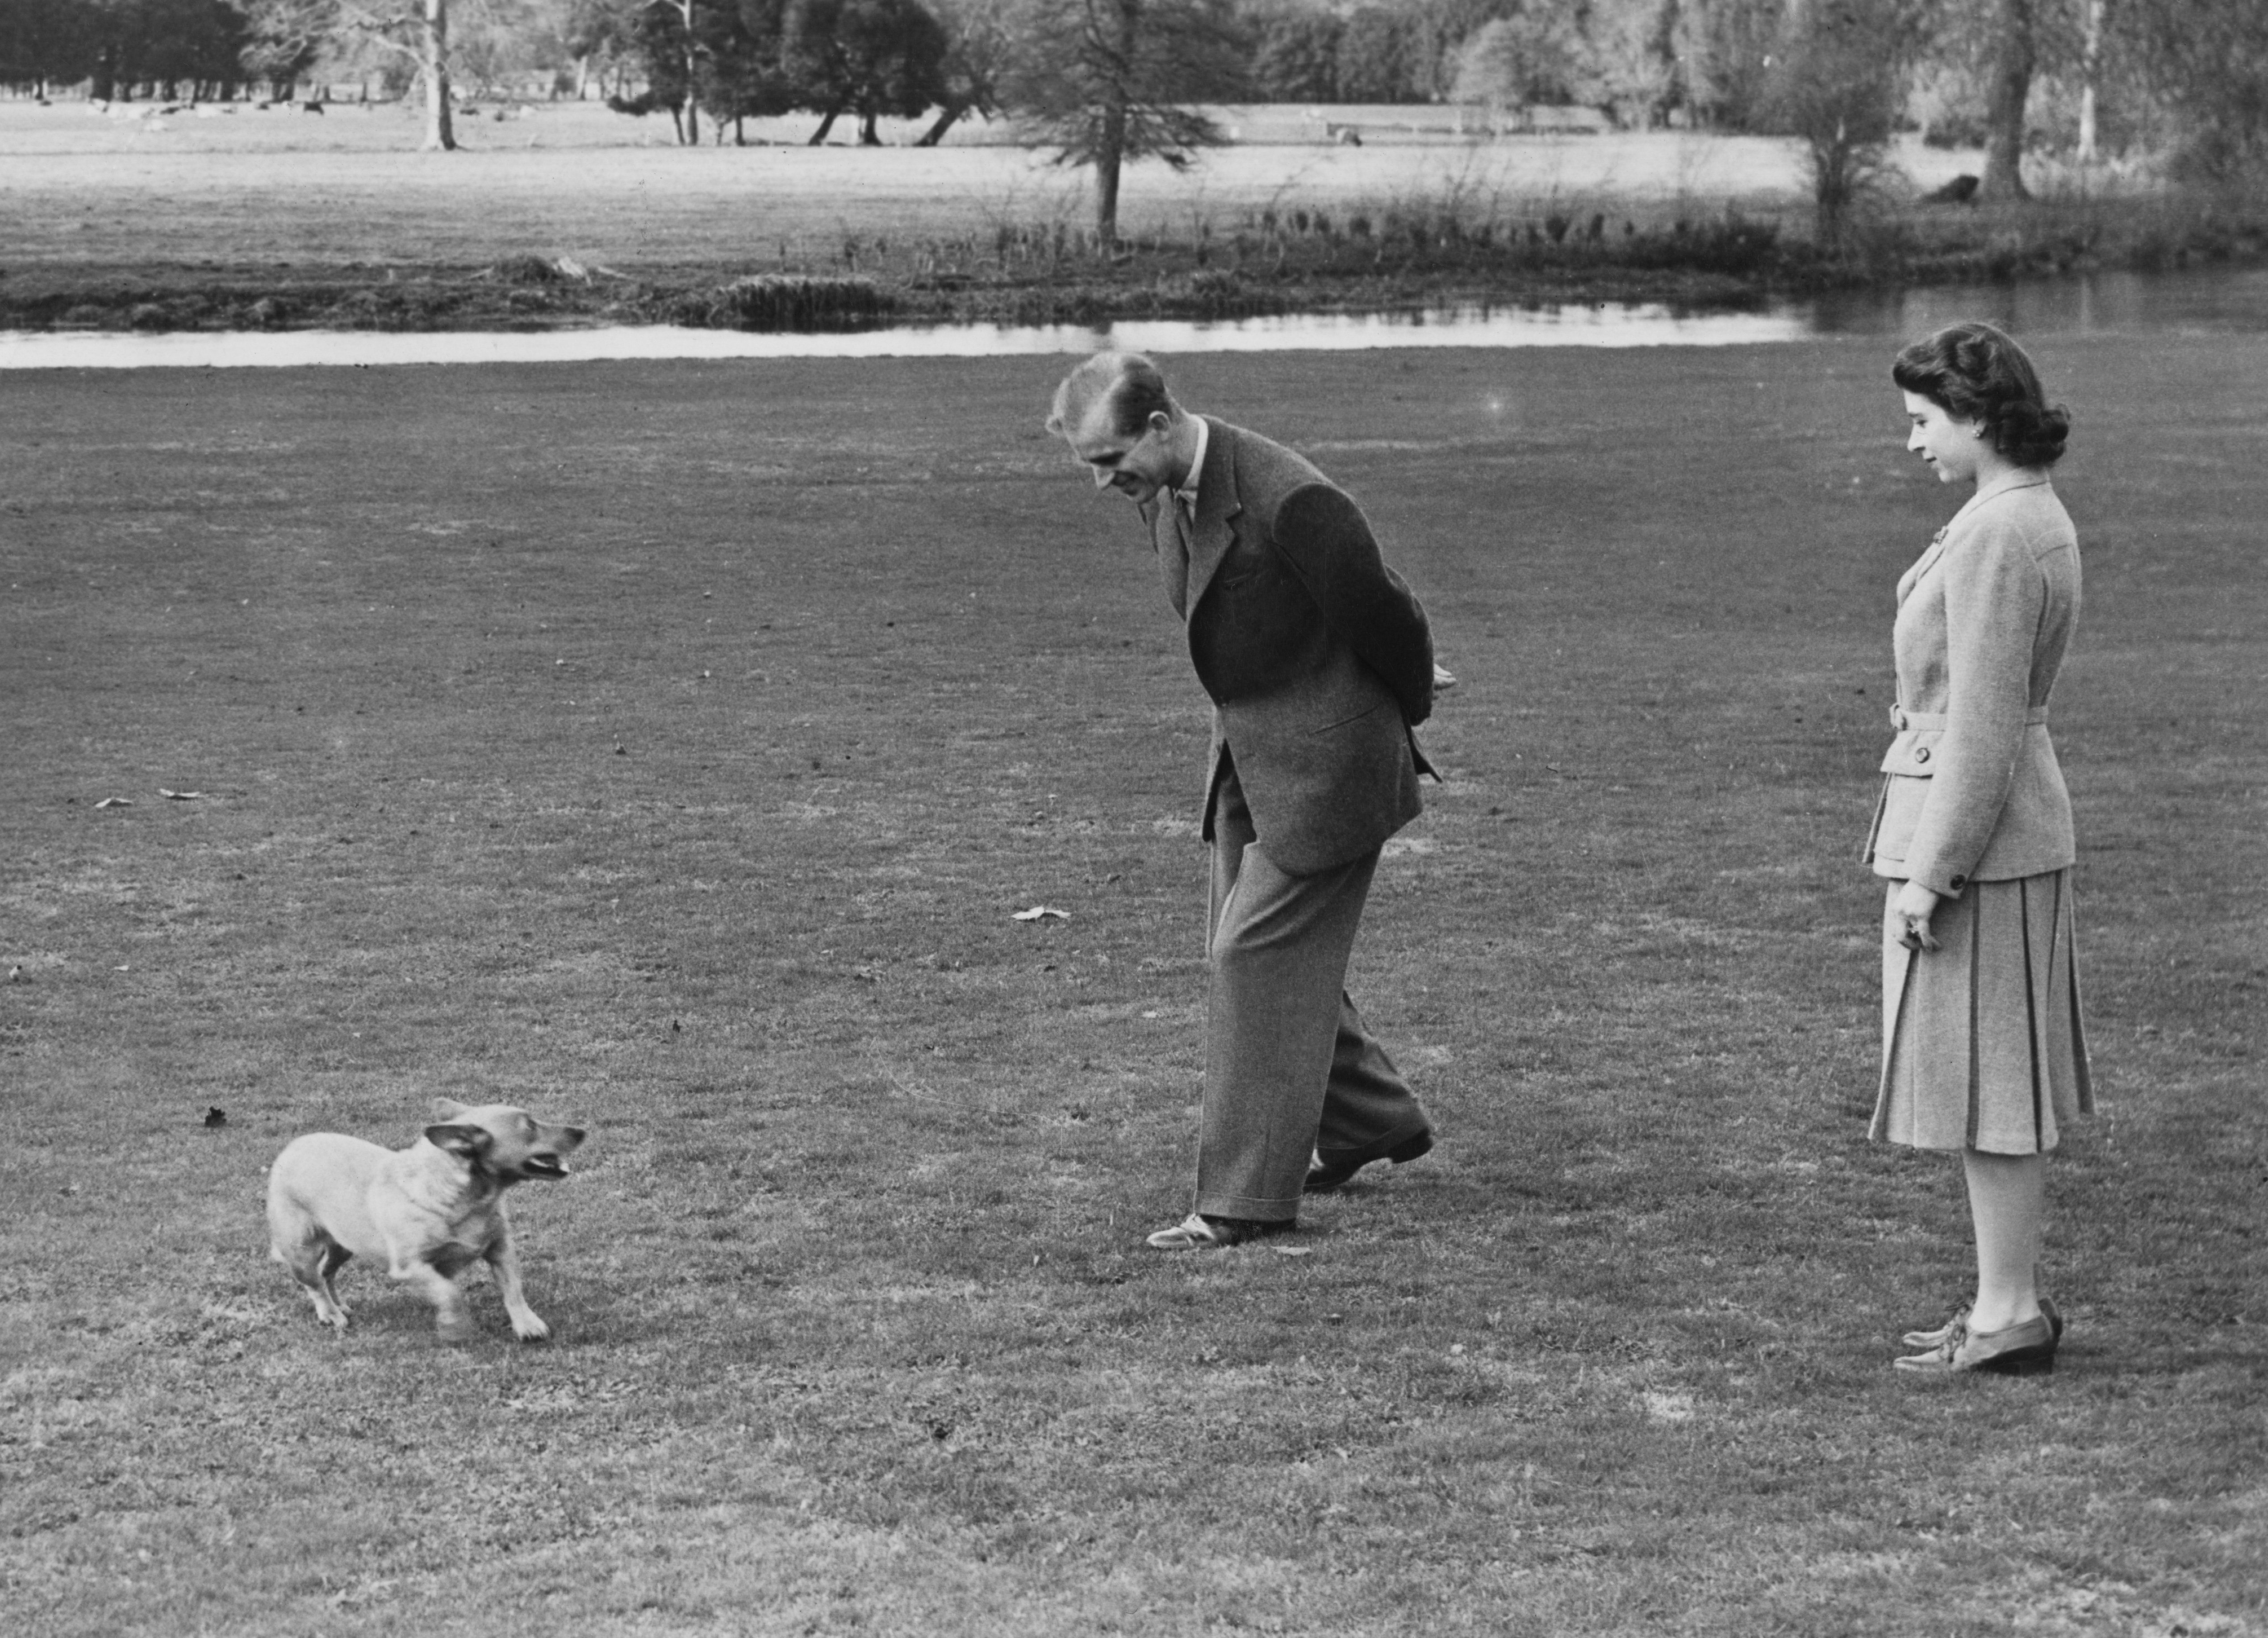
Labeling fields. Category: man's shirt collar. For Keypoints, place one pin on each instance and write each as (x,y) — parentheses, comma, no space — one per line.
(1186,494)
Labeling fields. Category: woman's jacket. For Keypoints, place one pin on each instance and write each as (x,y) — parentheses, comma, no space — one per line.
(1971,790)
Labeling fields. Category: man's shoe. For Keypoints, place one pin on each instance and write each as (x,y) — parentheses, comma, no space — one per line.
(1937,1338)
(2024,1350)
(1335,1170)
(1196,1233)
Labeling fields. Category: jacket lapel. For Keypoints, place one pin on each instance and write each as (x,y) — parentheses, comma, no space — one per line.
(1911,578)
(1165,541)
(2020,479)
(1217,505)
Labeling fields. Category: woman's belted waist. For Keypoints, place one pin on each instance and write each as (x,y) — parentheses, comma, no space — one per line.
(1931,721)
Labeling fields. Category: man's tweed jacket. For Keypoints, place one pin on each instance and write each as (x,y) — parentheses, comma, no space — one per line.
(1316,655)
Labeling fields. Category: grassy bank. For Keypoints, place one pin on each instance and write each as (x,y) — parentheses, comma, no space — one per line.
(669,747)
(1286,257)
(267,221)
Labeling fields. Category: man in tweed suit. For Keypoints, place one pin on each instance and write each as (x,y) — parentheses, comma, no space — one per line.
(1319,662)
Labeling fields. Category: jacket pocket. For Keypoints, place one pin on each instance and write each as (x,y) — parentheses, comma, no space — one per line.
(1356,717)
(1913,753)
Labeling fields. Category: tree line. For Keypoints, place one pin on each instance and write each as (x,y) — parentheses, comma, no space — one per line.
(1108,81)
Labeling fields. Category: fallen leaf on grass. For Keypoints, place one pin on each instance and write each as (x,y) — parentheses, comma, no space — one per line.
(115,802)
(1039,911)
(180,796)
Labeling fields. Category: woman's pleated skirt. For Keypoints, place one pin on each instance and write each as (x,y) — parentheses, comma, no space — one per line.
(1983,1044)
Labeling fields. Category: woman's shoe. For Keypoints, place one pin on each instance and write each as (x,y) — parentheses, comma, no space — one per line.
(2024,1350)
(1937,1338)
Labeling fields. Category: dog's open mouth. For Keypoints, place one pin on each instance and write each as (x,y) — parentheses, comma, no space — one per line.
(542,1166)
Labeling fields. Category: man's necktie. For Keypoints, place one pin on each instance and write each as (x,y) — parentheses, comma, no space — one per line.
(1174,551)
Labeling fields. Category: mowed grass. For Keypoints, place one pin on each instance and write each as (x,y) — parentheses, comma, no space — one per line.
(668,747)
(255,189)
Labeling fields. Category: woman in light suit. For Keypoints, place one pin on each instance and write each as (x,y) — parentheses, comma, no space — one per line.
(1984,1051)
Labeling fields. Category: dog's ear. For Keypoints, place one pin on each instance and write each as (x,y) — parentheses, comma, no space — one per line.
(448,1108)
(471,1142)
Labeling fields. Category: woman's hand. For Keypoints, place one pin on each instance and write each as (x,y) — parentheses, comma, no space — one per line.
(1910,910)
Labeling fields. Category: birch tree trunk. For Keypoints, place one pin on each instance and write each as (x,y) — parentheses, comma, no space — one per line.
(440,132)
(2090,70)
(691,134)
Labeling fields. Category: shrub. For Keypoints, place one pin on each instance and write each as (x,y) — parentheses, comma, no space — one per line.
(769,301)
(524,271)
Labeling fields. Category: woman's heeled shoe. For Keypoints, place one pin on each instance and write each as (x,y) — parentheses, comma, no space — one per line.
(1937,1338)
(2024,1350)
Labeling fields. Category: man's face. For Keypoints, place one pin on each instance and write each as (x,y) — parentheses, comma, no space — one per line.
(1137,464)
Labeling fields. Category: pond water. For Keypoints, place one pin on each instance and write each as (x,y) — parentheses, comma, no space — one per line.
(2217,301)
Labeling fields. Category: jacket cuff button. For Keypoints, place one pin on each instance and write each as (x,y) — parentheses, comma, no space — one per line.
(1959,882)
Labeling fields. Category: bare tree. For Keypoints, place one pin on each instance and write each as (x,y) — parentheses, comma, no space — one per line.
(1841,81)
(1109,81)
(415,29)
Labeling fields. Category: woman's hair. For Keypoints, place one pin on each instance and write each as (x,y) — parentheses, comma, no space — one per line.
(1974,371)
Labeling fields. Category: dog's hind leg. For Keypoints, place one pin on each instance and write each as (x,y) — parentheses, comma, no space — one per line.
(336,1256)
(312,1258)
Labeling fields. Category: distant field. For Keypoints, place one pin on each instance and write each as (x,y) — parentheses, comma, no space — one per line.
(348,187)
(670,746)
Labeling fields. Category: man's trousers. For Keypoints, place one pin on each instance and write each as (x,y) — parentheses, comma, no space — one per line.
(1289,1066)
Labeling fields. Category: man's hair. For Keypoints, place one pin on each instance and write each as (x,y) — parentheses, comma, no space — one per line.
(1975,372)
(1128,382)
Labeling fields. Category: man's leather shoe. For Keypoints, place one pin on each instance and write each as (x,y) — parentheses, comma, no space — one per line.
(2023,1350)
(1334,1171)
(1196,1233)
(1937,1338)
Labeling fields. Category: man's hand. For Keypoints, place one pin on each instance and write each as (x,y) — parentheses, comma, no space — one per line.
(1444,680)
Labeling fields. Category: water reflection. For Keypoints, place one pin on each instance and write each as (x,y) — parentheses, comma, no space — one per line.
(1602,325)
(2219,300)
(2094,303)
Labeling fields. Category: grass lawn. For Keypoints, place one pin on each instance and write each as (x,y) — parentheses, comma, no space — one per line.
(258,188)
(667,748)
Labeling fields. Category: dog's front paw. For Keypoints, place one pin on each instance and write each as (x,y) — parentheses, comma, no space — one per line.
(528,1328)
(456,1327)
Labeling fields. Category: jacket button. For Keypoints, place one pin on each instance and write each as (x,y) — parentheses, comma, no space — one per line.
(1921,753)
(1959,882)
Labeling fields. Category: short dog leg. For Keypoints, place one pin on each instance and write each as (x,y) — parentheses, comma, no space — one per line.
(450,1318)
(504,1261)
(311,1261)
(334,1257)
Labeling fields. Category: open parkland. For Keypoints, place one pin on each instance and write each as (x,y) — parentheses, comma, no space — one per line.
(669,747)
